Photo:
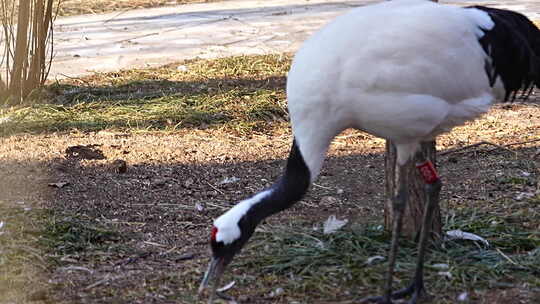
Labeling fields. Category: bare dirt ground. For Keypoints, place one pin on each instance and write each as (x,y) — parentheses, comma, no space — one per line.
(174,184)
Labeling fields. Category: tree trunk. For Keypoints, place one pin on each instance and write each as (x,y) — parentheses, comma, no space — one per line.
(21,50)
(27,45)
(412,218)
(42,22)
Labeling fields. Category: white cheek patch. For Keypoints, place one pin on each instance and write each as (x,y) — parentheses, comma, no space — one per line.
(227,224)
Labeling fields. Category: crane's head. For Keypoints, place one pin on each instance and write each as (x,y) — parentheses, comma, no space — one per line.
(228,236)
(223,251)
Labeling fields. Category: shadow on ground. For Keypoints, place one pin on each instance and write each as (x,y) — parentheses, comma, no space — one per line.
(141,236)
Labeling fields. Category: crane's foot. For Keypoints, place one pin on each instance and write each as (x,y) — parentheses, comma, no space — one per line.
(415,290)
(377,300)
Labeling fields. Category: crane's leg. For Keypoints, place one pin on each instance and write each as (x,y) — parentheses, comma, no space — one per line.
(399,203)
(433,186)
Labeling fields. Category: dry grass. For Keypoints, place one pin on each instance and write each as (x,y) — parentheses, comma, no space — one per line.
(240,93)
(79,7)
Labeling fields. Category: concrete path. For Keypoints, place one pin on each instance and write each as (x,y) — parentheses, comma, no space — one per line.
(153,37)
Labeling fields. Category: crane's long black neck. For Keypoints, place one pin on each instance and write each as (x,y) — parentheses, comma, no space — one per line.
(289,189)
(284,193)
(513,46)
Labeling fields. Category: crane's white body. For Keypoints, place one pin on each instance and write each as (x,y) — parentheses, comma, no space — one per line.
(403,70)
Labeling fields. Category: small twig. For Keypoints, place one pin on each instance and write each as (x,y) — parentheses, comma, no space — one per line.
(506,257)
(134,259)
(154,244)
(70,268)
(322,187)
(104,280)
(165,205)
(214,187)
(126,223)
(216,206)
(136,37)
(504,147)
(185,257)
(523,142)
(74,78)
(476,145)
(499,147)
(167,252)
(233,42)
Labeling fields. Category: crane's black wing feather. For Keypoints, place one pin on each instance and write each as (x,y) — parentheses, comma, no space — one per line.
(513,46)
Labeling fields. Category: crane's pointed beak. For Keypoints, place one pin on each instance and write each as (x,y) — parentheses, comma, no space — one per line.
(214,271)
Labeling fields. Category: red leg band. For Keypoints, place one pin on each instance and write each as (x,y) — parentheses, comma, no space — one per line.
(213,234)
(428,172)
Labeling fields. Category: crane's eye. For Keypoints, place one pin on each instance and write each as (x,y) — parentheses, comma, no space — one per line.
(213,234)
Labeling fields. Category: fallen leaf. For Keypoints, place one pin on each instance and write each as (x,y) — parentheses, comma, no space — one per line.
(461,235)
(332,224)
(182,68)
(440,266)
(276,293)
(188,182)
(229,180)
(521,195)
(445,274)
(330,200)
(375,258)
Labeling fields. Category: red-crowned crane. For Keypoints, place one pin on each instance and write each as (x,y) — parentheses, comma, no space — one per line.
(405,71)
